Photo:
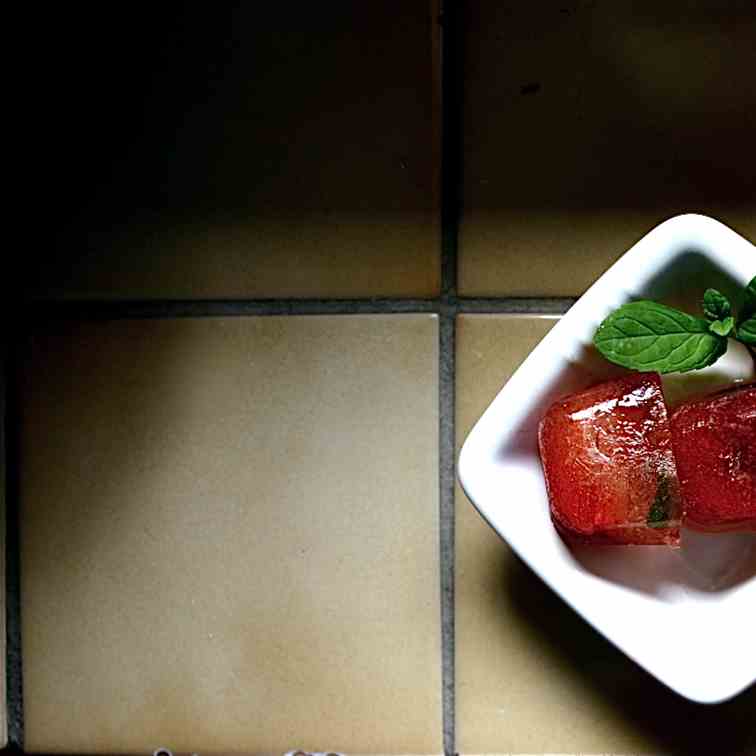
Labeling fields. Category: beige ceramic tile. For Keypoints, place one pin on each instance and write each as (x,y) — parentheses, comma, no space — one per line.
(532,677)
(586,124)
(280,150)
(229,535)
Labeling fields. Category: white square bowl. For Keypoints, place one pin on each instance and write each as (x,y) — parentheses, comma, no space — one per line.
(688,615)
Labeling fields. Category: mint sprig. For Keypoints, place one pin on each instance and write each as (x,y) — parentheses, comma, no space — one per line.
(649,336)
(747,331)
(746,328)
(750,297)
(653,337)
(716,306)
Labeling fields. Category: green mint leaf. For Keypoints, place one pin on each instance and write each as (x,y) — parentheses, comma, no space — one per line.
(716,306)
(722,327)
(648,336)
(747,331)
(749,306)
(658,513)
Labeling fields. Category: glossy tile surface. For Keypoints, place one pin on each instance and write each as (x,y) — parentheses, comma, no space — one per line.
(275,150)
(587,124)
(229,535)
(533,677)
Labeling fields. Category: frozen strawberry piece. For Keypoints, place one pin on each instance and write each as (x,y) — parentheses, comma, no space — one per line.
(714,440)
(610,471)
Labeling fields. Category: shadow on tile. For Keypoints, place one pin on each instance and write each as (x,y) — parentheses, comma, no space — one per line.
(660,98)
(670,723)
(586,126)
(274,150)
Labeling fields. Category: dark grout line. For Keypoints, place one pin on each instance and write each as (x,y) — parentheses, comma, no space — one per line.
(3,501)
(516,305)
(4,527)
(448,303)
(14,683)
(451,182)
(446,471)
(124,309)
(451,149)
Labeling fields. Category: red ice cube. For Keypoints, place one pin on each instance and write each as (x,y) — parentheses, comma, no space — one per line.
(714,439)
(607,459)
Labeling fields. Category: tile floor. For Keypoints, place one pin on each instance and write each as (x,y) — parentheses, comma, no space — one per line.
(244,365)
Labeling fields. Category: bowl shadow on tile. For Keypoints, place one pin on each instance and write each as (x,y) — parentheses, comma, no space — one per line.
(671,724)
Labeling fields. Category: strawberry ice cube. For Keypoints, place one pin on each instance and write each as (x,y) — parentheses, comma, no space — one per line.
(609,467)
(714,439)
